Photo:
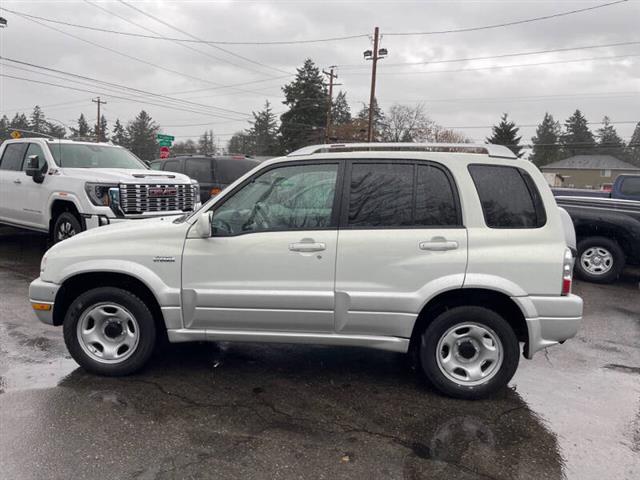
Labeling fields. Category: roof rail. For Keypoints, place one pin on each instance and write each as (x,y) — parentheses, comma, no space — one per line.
(498,151)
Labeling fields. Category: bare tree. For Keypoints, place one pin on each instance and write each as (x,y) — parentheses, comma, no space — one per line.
(447,135)
(404,123)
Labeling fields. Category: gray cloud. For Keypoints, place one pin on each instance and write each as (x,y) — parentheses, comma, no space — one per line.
(465,98)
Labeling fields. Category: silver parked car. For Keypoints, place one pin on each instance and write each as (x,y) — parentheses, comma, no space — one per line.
(457,253)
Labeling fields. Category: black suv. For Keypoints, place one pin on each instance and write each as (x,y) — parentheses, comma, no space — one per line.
(212,173)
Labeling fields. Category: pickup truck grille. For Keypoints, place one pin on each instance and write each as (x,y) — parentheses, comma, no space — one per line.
(137,199)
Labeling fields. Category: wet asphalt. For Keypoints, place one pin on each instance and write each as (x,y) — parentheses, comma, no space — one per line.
(276,411)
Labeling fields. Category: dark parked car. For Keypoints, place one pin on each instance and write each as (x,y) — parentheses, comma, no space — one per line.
(212,173)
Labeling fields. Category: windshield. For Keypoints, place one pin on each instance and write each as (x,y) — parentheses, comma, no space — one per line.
(80,155)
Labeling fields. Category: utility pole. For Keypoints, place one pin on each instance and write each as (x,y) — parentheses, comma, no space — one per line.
(98,126)
(332,76)
(374,55)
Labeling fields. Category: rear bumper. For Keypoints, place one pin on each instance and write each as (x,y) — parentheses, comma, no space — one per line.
(550,320)
(42,296)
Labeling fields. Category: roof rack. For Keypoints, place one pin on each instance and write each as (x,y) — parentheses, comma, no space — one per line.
(497,151)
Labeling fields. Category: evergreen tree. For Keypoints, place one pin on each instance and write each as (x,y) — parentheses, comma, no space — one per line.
(4,128)
(340,112)
(577,139)
(306,97)
(506,133)
(37,121)
(240,143)
(206,143)
(119,136)
(546,143)
(379,121)
(633,149)
(82,130)
(104,130)
(20,122)
(142,133)
(264,133)
(609,141)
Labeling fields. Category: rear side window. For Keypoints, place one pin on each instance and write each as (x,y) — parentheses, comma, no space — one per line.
(509,197)
(172,166)
(396,195)
(630,186)
(200,169)
(13,156)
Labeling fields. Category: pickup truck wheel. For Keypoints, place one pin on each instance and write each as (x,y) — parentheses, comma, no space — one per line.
(600,260)
(109,331)
(469,352)
(66,226)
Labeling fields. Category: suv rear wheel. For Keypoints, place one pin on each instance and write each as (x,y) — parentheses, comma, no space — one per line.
(109,331)
(469,352)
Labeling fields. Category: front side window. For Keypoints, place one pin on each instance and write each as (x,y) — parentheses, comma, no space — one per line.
(13,156)
(508,196)
(34,149)
(630,186)
(155,165)
(82,155)
(172,166)
(298,197)
(397,195)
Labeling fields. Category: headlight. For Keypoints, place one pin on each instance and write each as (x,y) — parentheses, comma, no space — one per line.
(98,193)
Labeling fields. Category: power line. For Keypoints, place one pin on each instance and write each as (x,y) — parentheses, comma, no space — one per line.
(119,86)
(144,101)
(308,41)
(493,67)
(504,55)
(507,24)
(174,41)
(229,52)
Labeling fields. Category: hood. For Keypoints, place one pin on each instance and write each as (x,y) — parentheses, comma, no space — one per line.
(124,175)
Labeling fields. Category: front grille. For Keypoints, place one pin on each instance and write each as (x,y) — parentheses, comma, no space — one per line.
(135,199)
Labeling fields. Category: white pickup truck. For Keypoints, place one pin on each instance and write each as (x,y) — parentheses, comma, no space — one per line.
(63,187)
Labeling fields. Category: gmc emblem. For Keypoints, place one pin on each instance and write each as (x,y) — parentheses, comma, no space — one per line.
(163,191)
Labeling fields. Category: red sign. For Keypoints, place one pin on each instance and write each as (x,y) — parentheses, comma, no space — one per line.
(164,152)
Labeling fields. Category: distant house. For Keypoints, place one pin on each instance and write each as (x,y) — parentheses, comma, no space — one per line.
(587,171)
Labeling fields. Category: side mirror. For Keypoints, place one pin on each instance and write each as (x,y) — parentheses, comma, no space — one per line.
(33,170)
(203,225)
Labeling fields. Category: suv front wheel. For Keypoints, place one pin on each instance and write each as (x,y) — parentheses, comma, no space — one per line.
(469,352)
(109,331)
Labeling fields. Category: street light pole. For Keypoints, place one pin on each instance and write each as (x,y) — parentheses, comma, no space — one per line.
(372,98)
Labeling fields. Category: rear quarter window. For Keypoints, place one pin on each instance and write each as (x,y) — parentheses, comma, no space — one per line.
(509,197)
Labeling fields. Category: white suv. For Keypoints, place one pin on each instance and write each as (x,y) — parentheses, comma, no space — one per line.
(457,253)
(63,187)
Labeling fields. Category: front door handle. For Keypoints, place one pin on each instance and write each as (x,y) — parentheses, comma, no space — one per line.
(17,180)
(307,247)
(438,244)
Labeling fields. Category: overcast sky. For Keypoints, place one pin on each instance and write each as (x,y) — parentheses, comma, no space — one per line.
(473,97)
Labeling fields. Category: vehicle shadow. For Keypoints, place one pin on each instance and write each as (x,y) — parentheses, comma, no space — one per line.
(322,411)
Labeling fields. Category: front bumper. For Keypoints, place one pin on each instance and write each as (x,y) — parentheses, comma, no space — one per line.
(42,296)
(550,320)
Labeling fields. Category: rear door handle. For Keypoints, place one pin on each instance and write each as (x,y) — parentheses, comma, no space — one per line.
(307,247)
(17,180)
(439,244)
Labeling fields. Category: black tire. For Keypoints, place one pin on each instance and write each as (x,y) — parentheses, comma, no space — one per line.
(142,315)
(588,245)
(463,315)
(66,225)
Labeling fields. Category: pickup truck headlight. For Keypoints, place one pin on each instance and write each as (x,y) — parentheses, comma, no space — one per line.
(98,193)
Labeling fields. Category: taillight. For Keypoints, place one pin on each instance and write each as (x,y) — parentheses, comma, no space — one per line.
(214,191)
(567,272)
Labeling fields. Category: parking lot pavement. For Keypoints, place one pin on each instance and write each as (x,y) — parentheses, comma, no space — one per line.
(275,411)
